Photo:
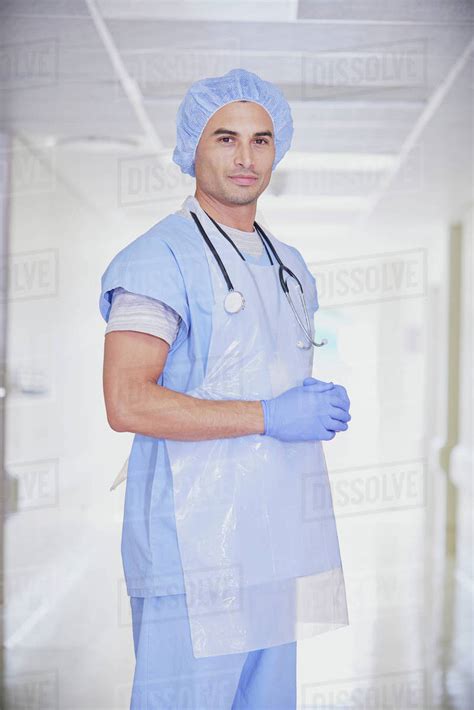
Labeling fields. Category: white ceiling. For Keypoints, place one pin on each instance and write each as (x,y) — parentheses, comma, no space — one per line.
(363,79)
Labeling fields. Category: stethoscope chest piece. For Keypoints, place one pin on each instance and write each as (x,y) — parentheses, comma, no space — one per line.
(234,302)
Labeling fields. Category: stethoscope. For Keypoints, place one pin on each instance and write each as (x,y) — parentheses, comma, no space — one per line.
(234,300)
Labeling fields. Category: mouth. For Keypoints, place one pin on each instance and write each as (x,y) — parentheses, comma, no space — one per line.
(243,179)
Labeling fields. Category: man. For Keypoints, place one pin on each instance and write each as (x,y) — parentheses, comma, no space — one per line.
(208,355)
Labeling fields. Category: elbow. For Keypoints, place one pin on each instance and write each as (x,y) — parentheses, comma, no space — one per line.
(117,424)
(116,420)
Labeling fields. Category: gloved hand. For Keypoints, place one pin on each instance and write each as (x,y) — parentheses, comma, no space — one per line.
(340,389)
(313,411)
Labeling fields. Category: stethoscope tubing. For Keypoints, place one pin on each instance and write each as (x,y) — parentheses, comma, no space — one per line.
(281,271)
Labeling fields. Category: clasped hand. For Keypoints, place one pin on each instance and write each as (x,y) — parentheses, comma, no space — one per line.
(315,410)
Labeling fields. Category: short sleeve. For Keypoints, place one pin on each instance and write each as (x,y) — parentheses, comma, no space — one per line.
(148,267)
(131,311)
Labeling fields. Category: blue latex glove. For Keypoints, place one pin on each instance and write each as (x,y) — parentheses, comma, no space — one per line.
(339,388)
(313,411)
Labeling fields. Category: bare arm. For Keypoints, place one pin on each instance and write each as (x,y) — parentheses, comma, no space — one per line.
(134,402)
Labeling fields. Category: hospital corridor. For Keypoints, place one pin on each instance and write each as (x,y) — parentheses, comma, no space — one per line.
(107,108)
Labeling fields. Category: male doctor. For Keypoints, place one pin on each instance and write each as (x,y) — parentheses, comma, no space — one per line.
(208,361)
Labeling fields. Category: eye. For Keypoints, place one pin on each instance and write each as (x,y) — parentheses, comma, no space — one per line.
(225,138)
(262,139)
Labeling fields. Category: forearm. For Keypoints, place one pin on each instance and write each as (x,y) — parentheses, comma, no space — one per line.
(165,414)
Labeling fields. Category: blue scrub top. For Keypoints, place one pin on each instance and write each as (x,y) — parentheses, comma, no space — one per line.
(167,263)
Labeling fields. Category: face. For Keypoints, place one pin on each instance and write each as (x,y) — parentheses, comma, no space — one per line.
(238,140)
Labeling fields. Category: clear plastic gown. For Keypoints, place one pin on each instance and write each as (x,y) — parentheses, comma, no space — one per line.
(254,515)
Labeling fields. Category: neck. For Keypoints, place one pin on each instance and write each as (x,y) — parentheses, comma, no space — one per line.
(237,216)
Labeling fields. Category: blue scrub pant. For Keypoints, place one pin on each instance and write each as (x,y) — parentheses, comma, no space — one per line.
(168,676)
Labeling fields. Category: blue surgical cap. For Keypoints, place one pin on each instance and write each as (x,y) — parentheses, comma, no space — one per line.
(205,97)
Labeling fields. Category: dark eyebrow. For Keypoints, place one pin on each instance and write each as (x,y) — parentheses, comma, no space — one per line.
(227,131)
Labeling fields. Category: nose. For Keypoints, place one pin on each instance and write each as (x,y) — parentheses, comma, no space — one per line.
(243,156)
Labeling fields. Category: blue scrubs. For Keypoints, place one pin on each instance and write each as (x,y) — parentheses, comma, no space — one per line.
(168,676)
(151,267)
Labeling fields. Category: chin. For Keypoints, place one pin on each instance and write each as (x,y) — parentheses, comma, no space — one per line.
(242,197)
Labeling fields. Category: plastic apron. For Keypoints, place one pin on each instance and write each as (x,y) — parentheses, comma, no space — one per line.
(254,515)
